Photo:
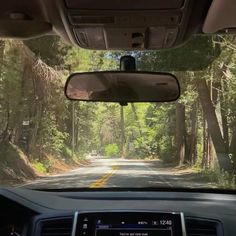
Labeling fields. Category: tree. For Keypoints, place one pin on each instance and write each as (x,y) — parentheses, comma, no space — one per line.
(213,125)
(180,133)
(122,127)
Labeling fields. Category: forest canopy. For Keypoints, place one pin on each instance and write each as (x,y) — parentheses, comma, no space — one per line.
(198,130)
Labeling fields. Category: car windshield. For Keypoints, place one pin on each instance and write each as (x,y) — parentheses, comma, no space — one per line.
(49,142)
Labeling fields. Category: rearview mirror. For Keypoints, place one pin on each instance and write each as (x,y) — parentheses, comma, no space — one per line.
(122,87)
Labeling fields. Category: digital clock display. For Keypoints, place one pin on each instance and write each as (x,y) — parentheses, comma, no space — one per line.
(166,222)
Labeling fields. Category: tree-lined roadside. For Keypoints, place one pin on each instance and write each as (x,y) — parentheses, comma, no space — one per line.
(34,127)
(199,130)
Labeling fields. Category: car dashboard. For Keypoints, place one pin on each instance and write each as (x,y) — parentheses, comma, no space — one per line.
(27,212)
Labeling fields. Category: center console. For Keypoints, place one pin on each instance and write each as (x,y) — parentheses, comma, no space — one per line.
(130,224)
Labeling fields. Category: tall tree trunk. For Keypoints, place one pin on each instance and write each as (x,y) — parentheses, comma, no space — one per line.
(3,126)
(193,136)
(207,159)
(205,145)
(213,96)
(232,148)
(37,120)
(122,126)
(136,118)
(213,125)
(5,134)
(210,159)
(223,111)
(180,132)
(21,104)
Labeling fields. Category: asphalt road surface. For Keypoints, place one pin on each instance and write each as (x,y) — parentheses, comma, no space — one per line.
(116,173)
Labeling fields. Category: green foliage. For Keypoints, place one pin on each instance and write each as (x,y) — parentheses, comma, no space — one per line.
(50,137)
(223,180)
(89,60)
(111,150)
(67,152)
(50,49)
(39,167)
(188,57)
(10,84)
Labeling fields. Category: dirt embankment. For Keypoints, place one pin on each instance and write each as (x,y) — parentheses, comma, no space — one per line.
(55,165)
(15,167)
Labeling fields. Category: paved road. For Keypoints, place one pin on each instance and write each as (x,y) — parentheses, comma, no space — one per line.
(108,173)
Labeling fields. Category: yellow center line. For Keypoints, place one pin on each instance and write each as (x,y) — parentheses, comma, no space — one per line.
(101,182)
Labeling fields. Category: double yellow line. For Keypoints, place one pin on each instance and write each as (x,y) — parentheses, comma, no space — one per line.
(101,182)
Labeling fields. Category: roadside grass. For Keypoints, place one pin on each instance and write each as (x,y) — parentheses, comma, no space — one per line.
(223,179)
(39,167)
(50,163)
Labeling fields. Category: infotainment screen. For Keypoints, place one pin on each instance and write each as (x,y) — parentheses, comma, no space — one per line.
(130,224)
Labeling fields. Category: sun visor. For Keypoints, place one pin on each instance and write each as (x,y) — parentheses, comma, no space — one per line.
(221,16)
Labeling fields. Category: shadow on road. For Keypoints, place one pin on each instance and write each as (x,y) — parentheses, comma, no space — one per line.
(127,174)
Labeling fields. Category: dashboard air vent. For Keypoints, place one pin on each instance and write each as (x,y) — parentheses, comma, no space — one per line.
(203,227)
(57,227)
